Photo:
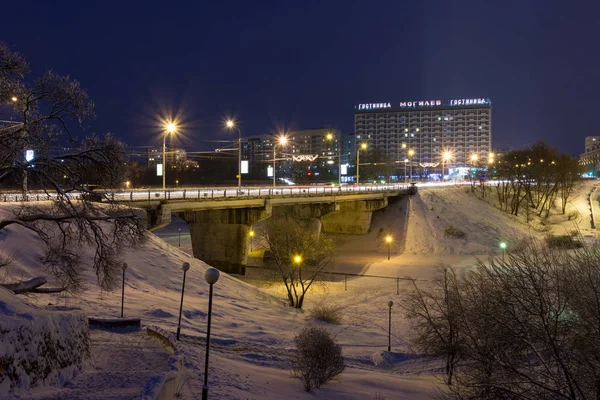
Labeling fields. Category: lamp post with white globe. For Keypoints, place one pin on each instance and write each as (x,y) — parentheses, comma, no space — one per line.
(123,267)
(390,304)
(185,267)
(211,276)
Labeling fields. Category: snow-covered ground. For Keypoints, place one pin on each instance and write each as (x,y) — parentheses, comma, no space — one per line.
(121,364)
(253,330)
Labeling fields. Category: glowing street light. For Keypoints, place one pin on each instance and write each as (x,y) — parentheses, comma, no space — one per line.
(170,129)
(282,142)
(251,234)
(411,153)
(297,259)
(446,157)
(388,240)
(330,137)
(14,99)
(230,124)
(503,246)
(363,146)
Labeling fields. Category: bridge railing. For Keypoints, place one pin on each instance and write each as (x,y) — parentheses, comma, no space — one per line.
(215,193)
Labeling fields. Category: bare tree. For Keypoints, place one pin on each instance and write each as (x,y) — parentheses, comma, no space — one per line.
(45,115)
(435,315)
(299,255)
(528,327)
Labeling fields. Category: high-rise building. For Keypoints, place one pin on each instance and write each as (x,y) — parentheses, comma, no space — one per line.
(462,127)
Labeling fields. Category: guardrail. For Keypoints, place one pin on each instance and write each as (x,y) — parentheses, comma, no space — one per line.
(214,193)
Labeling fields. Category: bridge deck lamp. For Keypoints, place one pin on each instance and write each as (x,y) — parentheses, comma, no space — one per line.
(282,140)
(388,240)
(230,124)
(411,153)
(123,268)
(211,276)
(330,137)
(185,267)
(447,156)
(363,146)
(170,129)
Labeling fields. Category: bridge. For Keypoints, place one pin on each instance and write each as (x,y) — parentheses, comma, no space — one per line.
(221,219)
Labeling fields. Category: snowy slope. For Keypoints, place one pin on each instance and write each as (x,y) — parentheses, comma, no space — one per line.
(252,331)
(432,210)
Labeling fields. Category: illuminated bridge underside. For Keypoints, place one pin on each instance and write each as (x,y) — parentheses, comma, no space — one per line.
(220,228)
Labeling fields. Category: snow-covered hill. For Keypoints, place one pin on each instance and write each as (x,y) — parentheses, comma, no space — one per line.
(252,331)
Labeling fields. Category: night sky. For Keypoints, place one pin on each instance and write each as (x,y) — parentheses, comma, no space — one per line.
(304,64)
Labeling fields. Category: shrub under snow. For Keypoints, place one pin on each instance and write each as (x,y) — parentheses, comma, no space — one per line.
(39,347)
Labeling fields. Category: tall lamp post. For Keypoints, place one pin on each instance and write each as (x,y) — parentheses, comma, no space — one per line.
(330,136)
(445,158)
(390,304)
(363,146)
(404,148)
(170,128)
(282,141)
(123,267)
(411,153)
(388,240)
(211,276)
(185,267)
(230,124)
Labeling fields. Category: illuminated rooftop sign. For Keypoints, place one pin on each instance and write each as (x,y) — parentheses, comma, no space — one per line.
(425,103)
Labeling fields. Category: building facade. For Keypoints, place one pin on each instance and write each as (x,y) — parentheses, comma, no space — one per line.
(425,130)
(590,160)
(176,158)
(310,153)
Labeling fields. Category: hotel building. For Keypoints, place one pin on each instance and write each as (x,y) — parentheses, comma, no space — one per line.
(429,128)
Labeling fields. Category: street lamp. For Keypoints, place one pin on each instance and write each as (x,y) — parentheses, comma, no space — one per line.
(185,266)
(282,141)
(388,240)
(330,136)
(447,156)
(503,246)
(363,146)
(251,233)
(474,158)
(179,230)
(491,158)
(123,267)
(211,276)
(390,304)
(404,147)
(411,153)
(170,128)
(230,124)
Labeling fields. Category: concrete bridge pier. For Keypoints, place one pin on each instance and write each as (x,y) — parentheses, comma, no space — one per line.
(306,215)
(353,217)
(220,237)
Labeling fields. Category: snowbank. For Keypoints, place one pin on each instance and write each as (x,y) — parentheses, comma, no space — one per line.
(39,347)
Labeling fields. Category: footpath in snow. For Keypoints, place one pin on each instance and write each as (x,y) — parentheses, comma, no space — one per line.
(121,364)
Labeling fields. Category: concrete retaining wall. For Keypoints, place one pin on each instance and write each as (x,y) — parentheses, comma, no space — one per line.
(164,386)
